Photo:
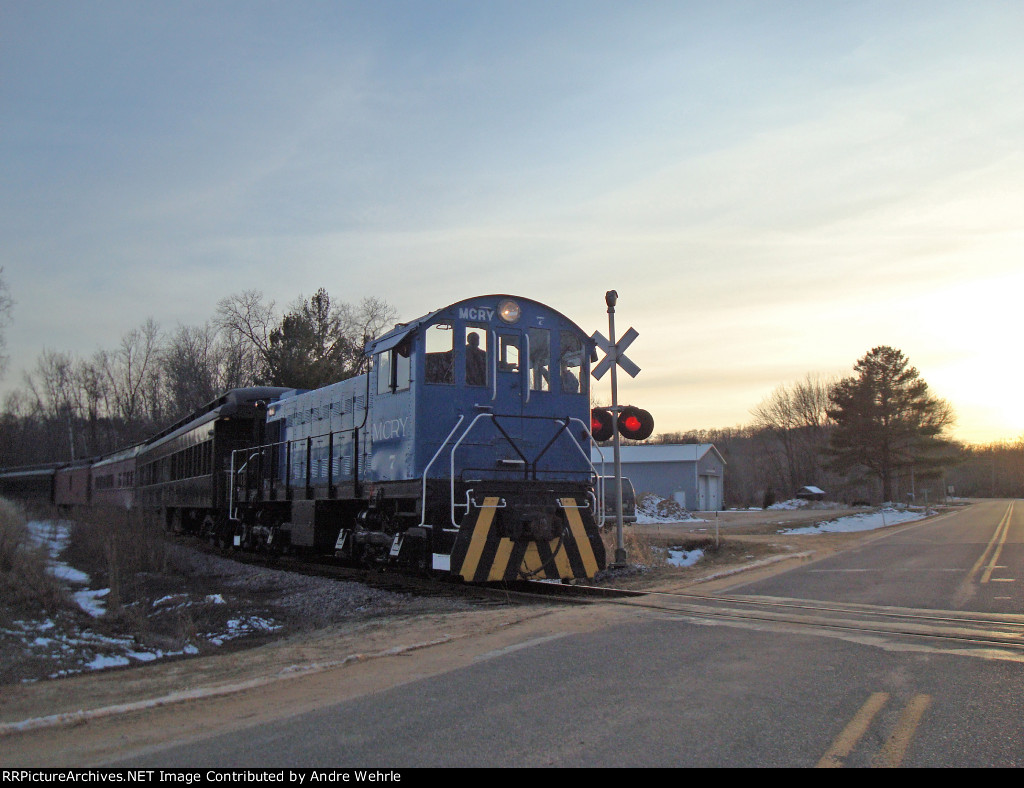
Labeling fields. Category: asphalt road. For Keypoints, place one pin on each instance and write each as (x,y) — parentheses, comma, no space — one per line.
(906,651)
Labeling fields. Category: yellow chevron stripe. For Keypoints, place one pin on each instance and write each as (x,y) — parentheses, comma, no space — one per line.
(531,566)
(562,558)
(531,562)
(501,560)
(481,531)
(579,533)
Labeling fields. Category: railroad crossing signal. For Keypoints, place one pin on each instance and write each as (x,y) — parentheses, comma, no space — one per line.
(633,423)
(615,354)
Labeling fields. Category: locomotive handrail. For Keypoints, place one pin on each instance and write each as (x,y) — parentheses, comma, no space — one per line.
(528,367)
(308,440)
(599,498)
(599,502)
(599,508)
(470,502)
(232,514)
(451,479)
(423,504)
(494,365)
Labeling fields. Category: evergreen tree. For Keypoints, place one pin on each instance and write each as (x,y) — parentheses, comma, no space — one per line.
(306,349)
(887,422)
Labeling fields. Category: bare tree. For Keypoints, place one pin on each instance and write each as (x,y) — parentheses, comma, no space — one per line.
(94,404)
(796,418)
(6,307)
(54,397)
(192,368)
(52,383)
(129,373)
(71,407)
(315,342)
(371,318)
(237,362)
(246,315)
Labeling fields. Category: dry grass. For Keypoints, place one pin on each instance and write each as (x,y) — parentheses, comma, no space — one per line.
(26,587)
(120,547)
(640,549)
(651,551)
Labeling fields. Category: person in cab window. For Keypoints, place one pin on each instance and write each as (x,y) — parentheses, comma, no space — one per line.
(570,383)
(476,362)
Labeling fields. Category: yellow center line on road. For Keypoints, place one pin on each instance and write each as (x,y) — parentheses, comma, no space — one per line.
(1001,533)
(895,748)
(836,755)
(892,754)
(994,547)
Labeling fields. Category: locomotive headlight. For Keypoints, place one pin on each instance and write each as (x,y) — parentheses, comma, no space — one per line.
(509,311)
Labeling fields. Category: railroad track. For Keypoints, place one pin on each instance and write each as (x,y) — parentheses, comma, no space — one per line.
(952,629)
(524,592)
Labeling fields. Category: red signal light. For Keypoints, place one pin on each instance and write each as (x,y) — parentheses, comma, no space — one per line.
(601,425)
(635,423)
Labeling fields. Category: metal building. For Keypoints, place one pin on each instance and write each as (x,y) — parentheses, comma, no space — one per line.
(691,474)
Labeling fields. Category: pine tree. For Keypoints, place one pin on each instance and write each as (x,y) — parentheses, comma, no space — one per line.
(887,422)
(309,347)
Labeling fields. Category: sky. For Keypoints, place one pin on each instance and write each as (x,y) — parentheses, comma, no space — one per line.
(772,189)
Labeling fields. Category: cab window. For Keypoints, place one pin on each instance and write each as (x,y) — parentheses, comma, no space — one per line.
(384,372)
(476,356)
(540,359)
(440,346)
(393,368)
(402,362)
(570,364)
(508,353)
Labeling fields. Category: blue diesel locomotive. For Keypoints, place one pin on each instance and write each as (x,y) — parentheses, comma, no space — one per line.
(464,450)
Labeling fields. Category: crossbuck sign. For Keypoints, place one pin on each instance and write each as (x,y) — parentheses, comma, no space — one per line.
(615,354)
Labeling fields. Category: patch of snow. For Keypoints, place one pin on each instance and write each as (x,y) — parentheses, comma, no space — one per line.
(89,601)
(792,503)
(171,599)
(101,661)
(861,522)
(654,510)
(54,535)
(678,557)
(69,574)
(800,503)
(80,649)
